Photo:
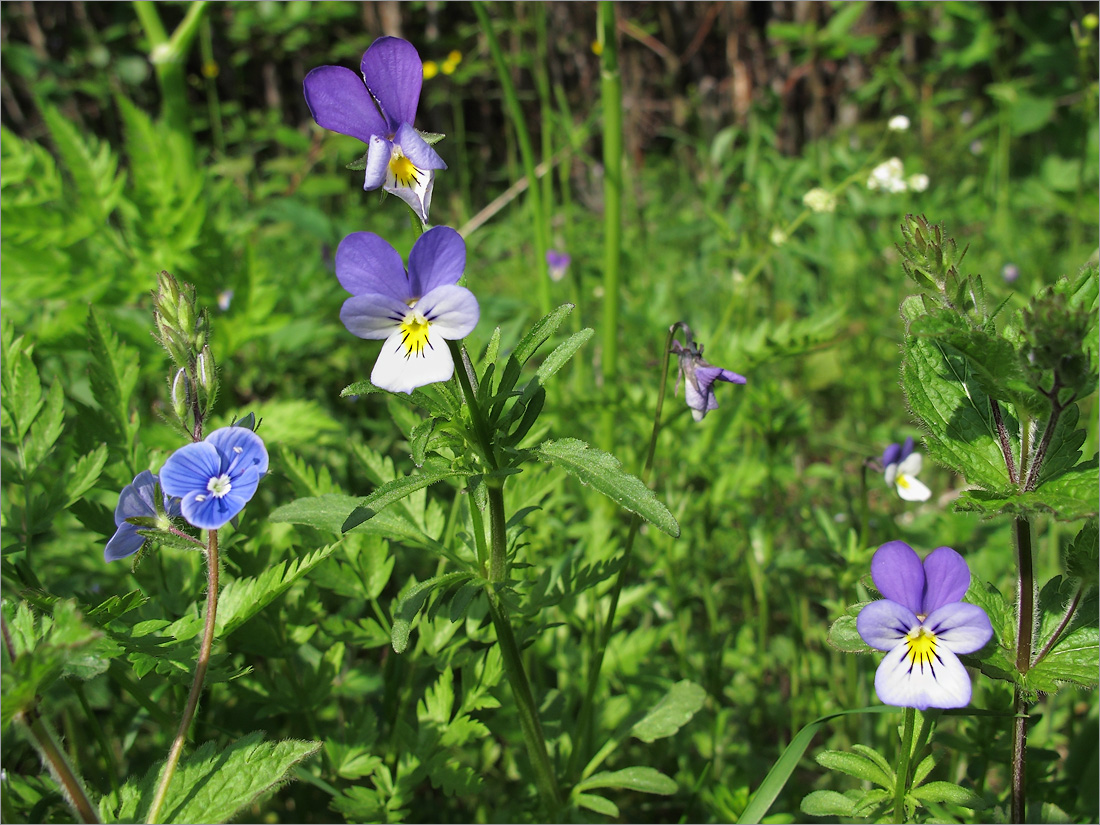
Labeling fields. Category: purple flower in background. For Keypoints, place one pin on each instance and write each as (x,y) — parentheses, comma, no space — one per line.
(922,625)
(699,378)
(136,501)
(217,477)
(414,311)
(900,466)
(1010,273)
(381,114)
(558,262)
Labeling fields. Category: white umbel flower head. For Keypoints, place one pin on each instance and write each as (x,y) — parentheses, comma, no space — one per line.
(898,123)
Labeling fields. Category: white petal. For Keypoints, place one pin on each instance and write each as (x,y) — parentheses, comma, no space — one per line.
(891,473)
(453,311)
(398,371)
(912,488)
(911,465)
(942,684)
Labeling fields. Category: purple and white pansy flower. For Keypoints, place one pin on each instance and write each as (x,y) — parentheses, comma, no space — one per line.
(380,110)
(217,477)
(900,467)
(923,625)
(699,378)
(415,311)
(137,501)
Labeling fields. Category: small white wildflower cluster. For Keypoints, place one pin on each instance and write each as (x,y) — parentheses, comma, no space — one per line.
(819,200)
(898,123)
(889,176)
(777,236)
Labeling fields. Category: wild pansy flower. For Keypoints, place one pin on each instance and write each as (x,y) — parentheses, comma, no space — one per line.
(699,377)
(900,466)
(137,501)
(922,625)
(381,114)
(414,310)
(557,262)
(217,477)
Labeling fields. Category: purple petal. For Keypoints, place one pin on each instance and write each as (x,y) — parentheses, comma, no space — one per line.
(452,310)
(437,259)
(366,264)
(394,75)
(209,512)
(136,498)
(189,470)
(416,149)
(941,683)
(884,623)
(373,316)
(947,579)
(340,102)
(379,153)
(898,574)
(125,542)
(700,402)
(906,448)
(240,448)
(891,455)
(962,627)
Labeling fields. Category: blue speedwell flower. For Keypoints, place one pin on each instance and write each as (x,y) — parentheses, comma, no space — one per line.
(216,477)
(381,114)
(922,625)
(699,378)
(136,501)
(415,311)
(900,466)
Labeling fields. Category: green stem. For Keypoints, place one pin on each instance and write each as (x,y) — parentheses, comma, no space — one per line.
(519,122)
(498,550)
(201,665)
(902,781)
(1024,637)
(611,96)
(582,732)
(167,56)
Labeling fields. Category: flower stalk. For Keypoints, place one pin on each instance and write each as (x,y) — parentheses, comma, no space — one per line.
(1024,640)
(901,783)
(201,665)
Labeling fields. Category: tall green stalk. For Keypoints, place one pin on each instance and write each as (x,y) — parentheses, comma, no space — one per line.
(519,123)
(611,98)
(167,54)
(1024,641)
(902,779)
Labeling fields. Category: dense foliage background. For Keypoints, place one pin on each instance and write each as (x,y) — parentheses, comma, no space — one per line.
(732,112)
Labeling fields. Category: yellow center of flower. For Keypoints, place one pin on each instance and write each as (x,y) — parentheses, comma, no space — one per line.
(403,170)
(414,334)
(921,645)
(902,481)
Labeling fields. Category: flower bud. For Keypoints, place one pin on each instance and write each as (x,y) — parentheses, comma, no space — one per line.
(181,396)
(207,378)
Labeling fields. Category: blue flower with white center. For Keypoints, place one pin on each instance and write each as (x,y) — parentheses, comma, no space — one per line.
(379,110)
(217,477)
(137,500)
(415,311)
(922,625)
(900,466)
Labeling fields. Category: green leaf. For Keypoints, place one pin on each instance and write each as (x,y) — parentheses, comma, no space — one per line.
(844,636)
(826,803)
(327,512)
(643,779)
(1068,644)
(83,475)
(562,353)
(396,490)
(214,786)
(1071,496)
(424,398)
(947,792)
(91,164)
(410,603)
(856,765)
(924,768)
(113,372)
(540,333)
(672,712)
(943,392)
(598,804)
(21,395)
(46,429)
(1064,450)
(242,599)
(604,473)
(1081,556)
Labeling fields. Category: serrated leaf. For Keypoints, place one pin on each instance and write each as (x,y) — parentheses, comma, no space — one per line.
(1071,496)
(598,804)
(213,786)
(84,473)
(643,779)
(948,792)
(45,429)
(242,599)
(1072,654)
(855,765)
(828,803)
(961,433)
(1081,556)
(604,473)
(410,603)
(433,403)
(675,709)
(113,372)
(844,636)
(1064,451)
(396,490)
(91,164)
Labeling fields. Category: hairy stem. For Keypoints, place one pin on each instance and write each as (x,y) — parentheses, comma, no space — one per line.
(201,665)
(1006,445)
(1024,634)
(1044,443)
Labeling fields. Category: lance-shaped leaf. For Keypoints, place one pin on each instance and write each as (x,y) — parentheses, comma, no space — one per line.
(604,473)
(398,489)
(676,708)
